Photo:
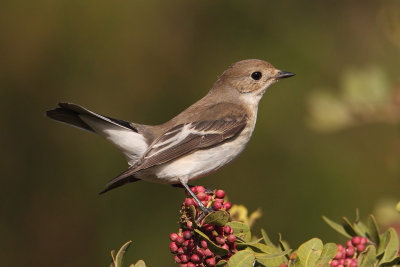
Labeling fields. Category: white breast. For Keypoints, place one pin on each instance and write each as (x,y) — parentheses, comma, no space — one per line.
(199,163)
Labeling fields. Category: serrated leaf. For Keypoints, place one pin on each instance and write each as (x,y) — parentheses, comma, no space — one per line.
(368,257)
(266,238)
(222,263)
(140,263)
(328,253)
(348,227)
(241,230)
(211,245)
(243,258)
(337,227)
(310,251)
(219,218)
(117,259)
(373,230)
(390,246)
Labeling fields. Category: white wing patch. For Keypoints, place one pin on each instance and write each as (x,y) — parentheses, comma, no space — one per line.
(131,143)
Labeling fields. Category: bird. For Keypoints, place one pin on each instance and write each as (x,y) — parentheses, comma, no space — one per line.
(198,141)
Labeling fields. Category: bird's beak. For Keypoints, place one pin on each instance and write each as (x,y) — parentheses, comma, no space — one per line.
(283,74)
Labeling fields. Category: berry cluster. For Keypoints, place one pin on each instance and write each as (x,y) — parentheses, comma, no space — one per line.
(188,247)
(347,256)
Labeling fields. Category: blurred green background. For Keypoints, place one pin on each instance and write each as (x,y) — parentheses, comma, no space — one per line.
(146,61)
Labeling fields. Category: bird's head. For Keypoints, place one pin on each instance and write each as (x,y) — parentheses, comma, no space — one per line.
(250,78)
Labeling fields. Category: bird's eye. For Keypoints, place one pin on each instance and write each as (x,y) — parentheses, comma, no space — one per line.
(256,75)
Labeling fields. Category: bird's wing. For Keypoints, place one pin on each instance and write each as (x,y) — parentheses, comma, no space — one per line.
(184,139)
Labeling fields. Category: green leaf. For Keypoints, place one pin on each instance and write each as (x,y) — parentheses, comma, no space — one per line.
(242,245)
(373,230)
(243,258)
(272,260)
(283,244)
(348,227)
(140,263)
(241,230)
(117,260)
(222,263)
(398,206)
(390,246)
(261,248)
(337,227)
(328,253)
(368,257)
(266,238)
(310,251)
(211,245)
(361,228)
(219,218)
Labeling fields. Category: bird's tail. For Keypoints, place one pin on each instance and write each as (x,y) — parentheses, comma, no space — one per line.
(119,181)
(72,114)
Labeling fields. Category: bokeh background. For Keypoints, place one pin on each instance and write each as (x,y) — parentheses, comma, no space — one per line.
(326,142)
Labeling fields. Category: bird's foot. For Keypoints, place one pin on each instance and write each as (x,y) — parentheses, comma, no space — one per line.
(204,212)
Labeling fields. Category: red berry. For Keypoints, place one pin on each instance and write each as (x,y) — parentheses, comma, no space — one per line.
(184,265)
(349,243)
(217,205)
(177,259)
(342,262)
(339,255)
(203,243)
(184,258)
(220,239)
(202,196)
(225,246)
(200,189)
(200,252)
(208,227)
(350,252)
(191,264)
(173,236)
(180,240)
(283,265)
(219,200)
(231,238)
(360,248)
(189,202)
(189,225)
(210,262)
(204,202)
(208,253)
(194,189)
(220,194)
(180,251)
(227,205)
(356,240)
(195,258)
(173,247)
(334,263)
(353,263)
(363,241)
(187,234)
(228,230)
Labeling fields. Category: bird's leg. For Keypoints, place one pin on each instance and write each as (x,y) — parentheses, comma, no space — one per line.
(203,208)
